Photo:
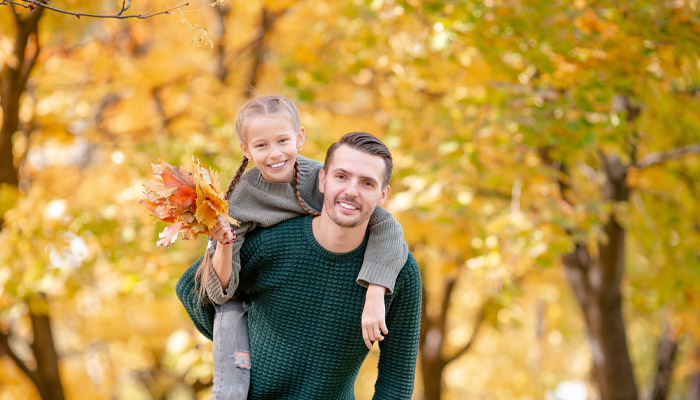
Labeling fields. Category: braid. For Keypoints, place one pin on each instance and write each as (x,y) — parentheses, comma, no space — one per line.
(202,274)
(236,178)
(296,191)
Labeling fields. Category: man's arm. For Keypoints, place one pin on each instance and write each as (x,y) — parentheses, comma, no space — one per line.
(399,349)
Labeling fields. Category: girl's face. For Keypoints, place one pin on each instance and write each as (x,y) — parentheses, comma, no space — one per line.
(271,142)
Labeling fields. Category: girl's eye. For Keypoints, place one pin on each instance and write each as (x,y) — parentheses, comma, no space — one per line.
(284,140)
(259,145)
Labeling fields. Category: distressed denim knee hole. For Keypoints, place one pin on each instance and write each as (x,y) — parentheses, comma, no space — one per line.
(242,359)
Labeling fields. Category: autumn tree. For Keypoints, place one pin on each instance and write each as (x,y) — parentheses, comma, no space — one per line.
(537,145)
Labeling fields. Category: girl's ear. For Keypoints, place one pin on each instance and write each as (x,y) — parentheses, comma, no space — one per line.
(246,153)
(301,136)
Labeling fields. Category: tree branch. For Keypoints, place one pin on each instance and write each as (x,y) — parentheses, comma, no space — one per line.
(29,65)
(478,322)
(18,20)
(5,346)
(31,4)
(663,156)
(125,6)
(668,348)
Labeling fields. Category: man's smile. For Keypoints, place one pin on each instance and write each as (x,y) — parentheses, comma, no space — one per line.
(347,206)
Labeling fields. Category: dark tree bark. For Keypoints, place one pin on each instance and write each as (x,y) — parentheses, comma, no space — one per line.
(258,54)
(222,12)
(432,334)
(694,387)
(668,348)
(596,283)
(13,82)
(259,49)
(44,349)
(45,376)
(694,381)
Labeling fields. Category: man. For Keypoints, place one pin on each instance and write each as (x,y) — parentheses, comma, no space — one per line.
(305,308)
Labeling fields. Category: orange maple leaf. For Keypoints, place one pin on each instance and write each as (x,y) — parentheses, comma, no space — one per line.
(190,202)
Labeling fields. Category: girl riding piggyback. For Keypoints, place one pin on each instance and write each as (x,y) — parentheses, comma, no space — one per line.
(282,185)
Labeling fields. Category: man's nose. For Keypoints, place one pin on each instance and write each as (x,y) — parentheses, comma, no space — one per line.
(351,189)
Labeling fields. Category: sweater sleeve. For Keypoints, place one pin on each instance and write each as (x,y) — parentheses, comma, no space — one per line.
(215,291)
(399,349)
(386,249)
(201,313)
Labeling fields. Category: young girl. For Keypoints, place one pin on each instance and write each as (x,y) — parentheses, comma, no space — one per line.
(283,185)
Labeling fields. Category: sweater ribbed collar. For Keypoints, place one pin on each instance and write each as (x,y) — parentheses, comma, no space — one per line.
(308,236)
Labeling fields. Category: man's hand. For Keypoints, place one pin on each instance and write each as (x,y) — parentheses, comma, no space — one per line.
(222,232)
(373,324)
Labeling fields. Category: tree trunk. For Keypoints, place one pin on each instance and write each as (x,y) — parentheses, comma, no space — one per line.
(694,387)
(431,334)
(432,366)
(13,83)
(253,80)
(596,281)
(49,381)
(668,348)
(694,383)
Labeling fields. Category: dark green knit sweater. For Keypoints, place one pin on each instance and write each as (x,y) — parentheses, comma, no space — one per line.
(304,317)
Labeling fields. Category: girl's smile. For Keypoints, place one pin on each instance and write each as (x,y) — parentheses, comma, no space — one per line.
(271,142)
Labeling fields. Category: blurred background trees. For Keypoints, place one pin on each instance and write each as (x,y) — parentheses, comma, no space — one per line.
(546,178)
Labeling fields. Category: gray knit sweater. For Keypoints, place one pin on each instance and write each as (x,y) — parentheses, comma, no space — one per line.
(257,202)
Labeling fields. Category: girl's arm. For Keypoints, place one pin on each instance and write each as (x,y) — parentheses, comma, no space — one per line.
(386,251)
(254,202)
(223,275)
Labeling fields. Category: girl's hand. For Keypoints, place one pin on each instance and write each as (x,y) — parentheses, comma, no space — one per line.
(222,233)
(373,324)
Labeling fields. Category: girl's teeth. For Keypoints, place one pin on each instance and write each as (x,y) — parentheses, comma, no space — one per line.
(279,164)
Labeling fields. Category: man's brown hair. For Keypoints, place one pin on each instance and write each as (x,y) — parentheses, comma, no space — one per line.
(366,143)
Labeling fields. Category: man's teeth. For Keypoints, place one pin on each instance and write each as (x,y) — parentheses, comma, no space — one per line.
(347,206)
(279,164)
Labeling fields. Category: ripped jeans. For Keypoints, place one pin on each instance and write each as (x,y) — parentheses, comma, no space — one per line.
(231,351)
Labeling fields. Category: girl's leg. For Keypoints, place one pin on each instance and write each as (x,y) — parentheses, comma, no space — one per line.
(231,352)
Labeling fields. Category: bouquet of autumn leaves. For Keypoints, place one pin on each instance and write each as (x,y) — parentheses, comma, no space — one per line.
(189,202)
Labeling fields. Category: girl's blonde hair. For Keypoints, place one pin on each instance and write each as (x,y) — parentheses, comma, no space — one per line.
(263,106)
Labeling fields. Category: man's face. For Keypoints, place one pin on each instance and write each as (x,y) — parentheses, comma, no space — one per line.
(352,186)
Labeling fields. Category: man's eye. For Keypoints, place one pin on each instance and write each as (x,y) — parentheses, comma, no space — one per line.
(340,176)
(369,184)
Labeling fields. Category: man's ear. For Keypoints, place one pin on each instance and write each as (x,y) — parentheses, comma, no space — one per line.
(385,194)
(321,180)
(246,153)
